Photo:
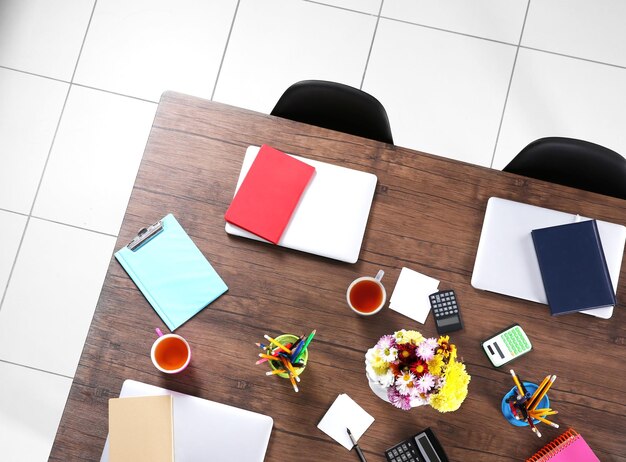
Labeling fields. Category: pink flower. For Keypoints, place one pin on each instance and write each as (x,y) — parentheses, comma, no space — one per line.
(400,401)
(386,342)
(426,351)
(425,383)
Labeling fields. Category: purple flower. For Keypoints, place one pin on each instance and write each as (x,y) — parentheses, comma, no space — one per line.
(400,401)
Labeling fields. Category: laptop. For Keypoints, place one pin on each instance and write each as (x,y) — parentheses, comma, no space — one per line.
(206,430)
(506,262)
(331,216)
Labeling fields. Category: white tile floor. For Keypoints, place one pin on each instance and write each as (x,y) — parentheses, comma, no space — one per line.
(79,83)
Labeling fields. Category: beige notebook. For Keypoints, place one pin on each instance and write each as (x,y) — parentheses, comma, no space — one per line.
(140,429)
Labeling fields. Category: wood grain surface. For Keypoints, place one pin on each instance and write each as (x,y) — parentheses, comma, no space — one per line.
(427,215)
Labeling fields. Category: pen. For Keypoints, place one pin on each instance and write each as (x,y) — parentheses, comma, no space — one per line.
(356,446)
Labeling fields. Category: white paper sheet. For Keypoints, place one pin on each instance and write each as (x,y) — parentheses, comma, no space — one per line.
(345,413)
(410,296)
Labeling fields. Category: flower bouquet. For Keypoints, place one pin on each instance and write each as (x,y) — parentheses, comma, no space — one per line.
(413,371)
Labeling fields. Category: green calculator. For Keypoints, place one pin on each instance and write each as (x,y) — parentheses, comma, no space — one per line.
(507,345)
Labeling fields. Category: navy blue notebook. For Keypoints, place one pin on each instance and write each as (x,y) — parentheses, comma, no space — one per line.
(573,267)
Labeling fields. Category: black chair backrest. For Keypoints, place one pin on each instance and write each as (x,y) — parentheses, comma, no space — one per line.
(337,107)
(571,162)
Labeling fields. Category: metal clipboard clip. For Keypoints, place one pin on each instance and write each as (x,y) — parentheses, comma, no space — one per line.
(144,235)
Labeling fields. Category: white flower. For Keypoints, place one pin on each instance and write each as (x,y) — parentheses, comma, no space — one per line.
(417,400)
(387,379)
(389,354)
(405,384)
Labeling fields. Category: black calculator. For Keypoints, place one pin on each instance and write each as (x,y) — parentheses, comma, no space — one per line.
(423,447)
(446,311)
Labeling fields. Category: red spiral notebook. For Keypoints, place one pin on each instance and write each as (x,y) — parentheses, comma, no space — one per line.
(570,446)
(269,194)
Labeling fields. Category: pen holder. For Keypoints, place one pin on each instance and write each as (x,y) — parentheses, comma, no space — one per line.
(506,411)
(283,340)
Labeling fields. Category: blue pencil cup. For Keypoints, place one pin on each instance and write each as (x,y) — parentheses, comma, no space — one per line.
(506,410)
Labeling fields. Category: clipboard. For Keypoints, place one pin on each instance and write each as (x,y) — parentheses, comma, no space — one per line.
(171,272)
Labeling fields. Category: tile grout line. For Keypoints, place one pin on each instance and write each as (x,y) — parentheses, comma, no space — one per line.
(111,92)
(34,74)
(230,31)
(579,58)
(82,45)
(440,29)
(36,369)
(369,53)
(508,89)
(45,165)
(340,7)
(13,211)
(95,231)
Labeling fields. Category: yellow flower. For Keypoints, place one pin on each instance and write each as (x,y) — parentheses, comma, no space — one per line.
(379,365)
(445,347)
(454,390)
(414,337)
(408,336)
(436,365)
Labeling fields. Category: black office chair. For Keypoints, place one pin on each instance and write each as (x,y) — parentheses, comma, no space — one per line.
(576,163)
(335,106)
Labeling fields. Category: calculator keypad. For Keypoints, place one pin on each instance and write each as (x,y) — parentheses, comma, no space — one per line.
(446,311)
(403,452)
(444,303)
(515,341)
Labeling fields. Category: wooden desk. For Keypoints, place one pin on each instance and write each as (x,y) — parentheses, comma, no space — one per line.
(427,215)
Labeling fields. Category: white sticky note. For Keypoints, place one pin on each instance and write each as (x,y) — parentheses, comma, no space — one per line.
(410,296)
(345,413)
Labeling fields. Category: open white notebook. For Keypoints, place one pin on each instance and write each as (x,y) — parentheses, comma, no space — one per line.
(331,216)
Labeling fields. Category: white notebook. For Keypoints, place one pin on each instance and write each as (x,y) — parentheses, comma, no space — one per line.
(331,216)
(206,430)
(506,261)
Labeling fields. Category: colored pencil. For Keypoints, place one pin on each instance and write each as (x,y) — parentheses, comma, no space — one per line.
(275,371)
(278,344)
(532,427)
(543,393)
(306,345)
(270,357)
(293,383)
(546,421)
(517,383)
(290,368)
(538,392)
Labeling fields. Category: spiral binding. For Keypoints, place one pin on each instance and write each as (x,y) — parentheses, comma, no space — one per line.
(555,446)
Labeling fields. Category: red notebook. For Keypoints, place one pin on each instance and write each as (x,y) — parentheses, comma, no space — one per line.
(269,194)
(568,447)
